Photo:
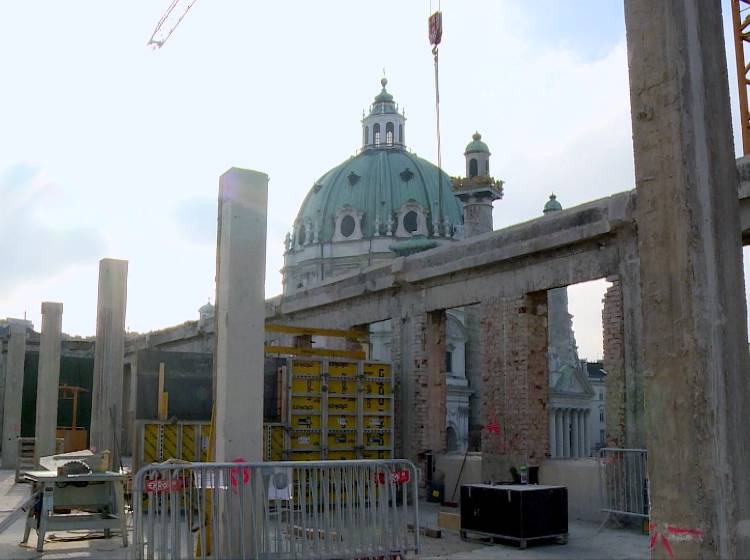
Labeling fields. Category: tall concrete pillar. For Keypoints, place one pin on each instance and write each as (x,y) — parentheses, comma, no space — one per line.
(693,305)
(552,433)
(48,379)
(14,364)
(574,433)
(106,394)
(566,433)
(240,314)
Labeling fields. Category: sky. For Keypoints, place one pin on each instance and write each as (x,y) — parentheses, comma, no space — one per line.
(109,148)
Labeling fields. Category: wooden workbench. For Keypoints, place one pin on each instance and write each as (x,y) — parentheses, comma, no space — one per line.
(96,501)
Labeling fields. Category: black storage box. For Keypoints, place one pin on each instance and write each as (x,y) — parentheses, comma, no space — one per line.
(519,512)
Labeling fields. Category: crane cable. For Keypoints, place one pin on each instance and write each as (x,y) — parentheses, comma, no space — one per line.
(436,34)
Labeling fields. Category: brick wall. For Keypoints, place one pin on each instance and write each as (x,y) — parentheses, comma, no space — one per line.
(614,364)
(419,352)
(515,384)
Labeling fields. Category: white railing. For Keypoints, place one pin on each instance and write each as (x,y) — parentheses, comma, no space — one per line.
(623,481)
(320,509)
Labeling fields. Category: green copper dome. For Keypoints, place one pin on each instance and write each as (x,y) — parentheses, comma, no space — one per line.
(476,145)
(377,183)
(552,204)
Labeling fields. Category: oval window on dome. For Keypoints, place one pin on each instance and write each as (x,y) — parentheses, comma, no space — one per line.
(410,221)
(347,226)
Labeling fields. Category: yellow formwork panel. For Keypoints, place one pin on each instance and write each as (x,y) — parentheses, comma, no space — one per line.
(342,421)
(304,439)
(306,367)
(151,446)
(342,440)
(376,387)
(305,455)
(190,443)
(169,441)
(273,439)
(376,404)
(304,385)
(371,370)
(306,421)
(311,404)
(379,454)
(376,422)
(342,454)
(342,387)
(377,439)
(342,369)
(342,404)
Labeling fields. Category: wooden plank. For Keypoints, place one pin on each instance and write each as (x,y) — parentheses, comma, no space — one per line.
(326,352)
(287,329)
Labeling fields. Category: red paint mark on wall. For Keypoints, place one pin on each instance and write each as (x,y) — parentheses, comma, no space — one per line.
(670,532)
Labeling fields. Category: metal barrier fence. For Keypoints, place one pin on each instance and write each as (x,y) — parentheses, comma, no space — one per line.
(277,510)
(623,481)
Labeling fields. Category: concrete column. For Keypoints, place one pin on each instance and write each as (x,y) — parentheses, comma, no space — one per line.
(48,379)
(106,394)
(693,309)
(13,393)
(566,432)
(574,445)
(552,433)
(559,418)
(240,314)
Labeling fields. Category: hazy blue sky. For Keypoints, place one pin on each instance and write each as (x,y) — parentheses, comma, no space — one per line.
(110,149)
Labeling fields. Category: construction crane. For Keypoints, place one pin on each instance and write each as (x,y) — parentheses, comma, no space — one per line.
(176,11)
(741,24)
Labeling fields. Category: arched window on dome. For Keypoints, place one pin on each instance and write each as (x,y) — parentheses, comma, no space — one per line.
(389,134)
(410,221)
(376,134)
(347,226)
(473,168)
(400,134)
(487,167)
(366,139)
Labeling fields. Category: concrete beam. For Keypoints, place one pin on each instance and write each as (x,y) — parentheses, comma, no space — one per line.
(13,393)
(48,379)
(106,399)
(693,304)
(240,279)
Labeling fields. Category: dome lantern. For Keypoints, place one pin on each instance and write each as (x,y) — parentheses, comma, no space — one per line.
(383,126)
(477,157)
(552,205)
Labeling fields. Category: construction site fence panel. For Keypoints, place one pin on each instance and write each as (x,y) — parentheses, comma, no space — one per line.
(623,481)
(279,510)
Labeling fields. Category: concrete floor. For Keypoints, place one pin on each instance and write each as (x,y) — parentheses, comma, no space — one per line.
(584,542)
